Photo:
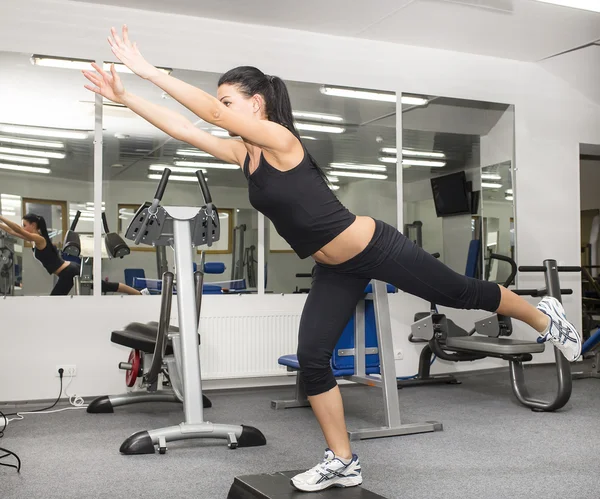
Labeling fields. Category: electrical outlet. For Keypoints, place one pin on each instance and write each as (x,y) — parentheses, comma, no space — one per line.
(69,371)
(398,354)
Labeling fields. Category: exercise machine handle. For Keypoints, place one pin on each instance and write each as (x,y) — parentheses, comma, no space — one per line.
(75,220)
(203,187)
(105,223)
(513,266)
(162,185)
(539,268)
(540,292)
(153,208)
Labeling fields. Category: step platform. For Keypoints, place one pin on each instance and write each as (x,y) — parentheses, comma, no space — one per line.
(277,486)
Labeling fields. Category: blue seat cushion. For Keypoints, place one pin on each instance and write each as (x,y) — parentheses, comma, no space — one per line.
(291,361)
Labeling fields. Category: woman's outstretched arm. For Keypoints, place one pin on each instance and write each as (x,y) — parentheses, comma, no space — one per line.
(263,133)
(110,86)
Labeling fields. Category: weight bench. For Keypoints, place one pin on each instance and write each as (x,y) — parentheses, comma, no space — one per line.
(592,345)
(358,357)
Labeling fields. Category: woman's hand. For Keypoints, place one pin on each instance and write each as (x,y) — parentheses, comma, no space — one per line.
(107,85)
(128,53)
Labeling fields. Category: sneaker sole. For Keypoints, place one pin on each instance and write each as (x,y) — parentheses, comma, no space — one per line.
(565,351)
(349,481)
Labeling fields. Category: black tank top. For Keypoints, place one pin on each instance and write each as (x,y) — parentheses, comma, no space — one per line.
(49,258)
(299,203)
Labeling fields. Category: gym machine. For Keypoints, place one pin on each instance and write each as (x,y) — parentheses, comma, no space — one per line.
(450,342)
(7,264)
(244,260)
(183,228)
(114,244)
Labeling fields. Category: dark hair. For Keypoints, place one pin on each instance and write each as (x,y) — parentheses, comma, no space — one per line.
(251,81)
(40,221)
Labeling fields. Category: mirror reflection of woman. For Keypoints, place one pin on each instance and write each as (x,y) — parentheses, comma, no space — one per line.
(35,231)
(286,184)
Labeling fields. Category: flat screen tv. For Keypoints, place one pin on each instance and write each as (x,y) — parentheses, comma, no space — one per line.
(451,194)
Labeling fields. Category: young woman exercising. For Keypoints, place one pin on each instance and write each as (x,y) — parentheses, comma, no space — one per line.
(35,230)
(287,186)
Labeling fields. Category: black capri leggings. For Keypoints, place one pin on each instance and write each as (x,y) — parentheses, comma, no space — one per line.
(336,289)
(66,281)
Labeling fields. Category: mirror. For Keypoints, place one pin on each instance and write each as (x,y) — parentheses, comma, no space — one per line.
(345,130)
(135,154)
(46,163)
(457,166)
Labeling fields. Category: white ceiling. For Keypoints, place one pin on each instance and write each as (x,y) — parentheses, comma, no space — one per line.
(525,30)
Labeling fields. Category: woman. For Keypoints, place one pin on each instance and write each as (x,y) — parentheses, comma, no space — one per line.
(287,186)
(35,231)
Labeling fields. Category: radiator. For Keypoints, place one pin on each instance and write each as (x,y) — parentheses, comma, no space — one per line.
(246,346)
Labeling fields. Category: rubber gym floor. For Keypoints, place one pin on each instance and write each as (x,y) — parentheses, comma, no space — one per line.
(491,447)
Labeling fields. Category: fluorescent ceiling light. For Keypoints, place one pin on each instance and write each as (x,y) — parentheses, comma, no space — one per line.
(423,162)
(9,196)
(220,133)
(23,159)
(491,185)
(31,142)
(308,137)
(388,159)
(317,116)
(203,164)
(369,95)
(310,127)
(508,198)
(30,152)
(358,94)
(61,62)
(333,180)
(491,176)
(25,169)
(44,132)
(175,169)
(592,5)
(334,187)
(177,178)
(377,176)
(121,68)
(509,192)
(350,166)
(421,154)
(414,101)
(193,152)
(70,63)
(11,202)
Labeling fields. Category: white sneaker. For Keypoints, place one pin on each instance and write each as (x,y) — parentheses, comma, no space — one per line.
(145,291)
(560,332)
(331,472)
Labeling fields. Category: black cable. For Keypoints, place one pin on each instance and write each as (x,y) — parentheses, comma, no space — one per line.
(45,408)
(8,453)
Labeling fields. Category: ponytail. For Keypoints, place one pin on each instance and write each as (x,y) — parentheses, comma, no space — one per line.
(42,227)
(251,81)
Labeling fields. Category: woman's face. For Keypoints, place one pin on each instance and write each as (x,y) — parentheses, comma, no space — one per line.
(234,99)
(30,227)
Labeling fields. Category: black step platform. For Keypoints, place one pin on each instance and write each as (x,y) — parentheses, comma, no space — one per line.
(278,486)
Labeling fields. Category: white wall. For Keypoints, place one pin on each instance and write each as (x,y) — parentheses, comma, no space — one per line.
(551,120)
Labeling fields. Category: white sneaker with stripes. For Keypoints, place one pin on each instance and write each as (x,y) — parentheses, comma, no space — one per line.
(331,472)
(560,331)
